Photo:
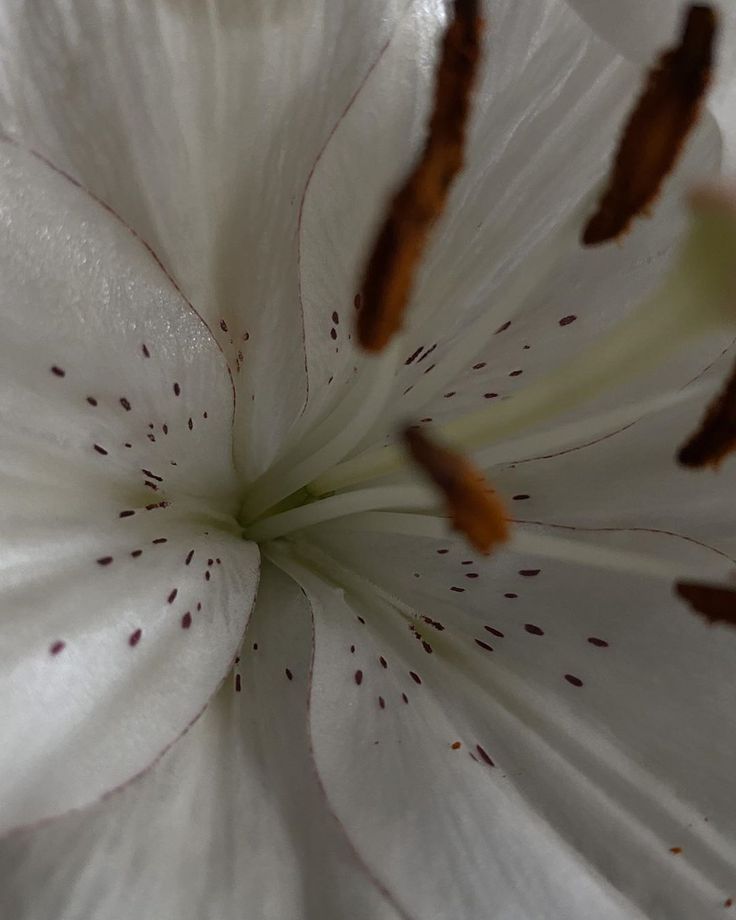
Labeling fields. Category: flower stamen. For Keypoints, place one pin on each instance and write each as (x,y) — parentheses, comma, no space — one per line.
(472,505)
(421,199)
(714,603)
(657,128)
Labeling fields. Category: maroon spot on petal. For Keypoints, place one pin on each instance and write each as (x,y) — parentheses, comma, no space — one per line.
(430,368)
(186,620)
(414,356)
(288,673)
(485,756)
(190,556)
(533,630)
(357,301)
(335,317)
(172,595)
(599,643)
(124,514)
(566,320)
(210,562)
(177,389)
(451,394)
(479,365)
(199,605)
(151,438)
(493,631)
(238,683)
(471,575)
(529,573)
(384,663)
(415,677)
(490,395)
(484,645)
(207,576)
(125,403)
(456,745)
(223,325)
(404,697)
(152,475)
(358,677)
(135,637)
(427,647)
(104,560)
(503,328)
(676,850)
(381,702)
(456,589)
(58,371)
(520,498)
(57,647)
(352,649)
(146,352)
(190,424)
(255,646)
(441,552)
(333,333)
(136,553)
(159,540)
(91,400)
(575,681)
(516,373)
(728,902)
(100,450)
(510,595)
(361,620)
(165,428)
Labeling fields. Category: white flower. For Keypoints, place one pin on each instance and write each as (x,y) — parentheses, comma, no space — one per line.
(188,190)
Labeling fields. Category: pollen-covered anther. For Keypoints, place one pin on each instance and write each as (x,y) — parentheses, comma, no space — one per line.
(402,238)
(657,128)
(716,604)
(472,505)
(716,436)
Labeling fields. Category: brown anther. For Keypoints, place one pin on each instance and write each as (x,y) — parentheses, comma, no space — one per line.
(472,505)
(418,203)
(716,436)
(656,130)
(715,604)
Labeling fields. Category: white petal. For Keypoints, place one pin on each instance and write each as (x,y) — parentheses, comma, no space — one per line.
(631,478)
(551,105)
(200,124)
(230,824)
(98,352)
(608,723)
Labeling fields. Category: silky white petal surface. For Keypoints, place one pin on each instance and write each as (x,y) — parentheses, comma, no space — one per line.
(631,478)
(200,123)
(548,111)
(231,823)
(608,723)
(115,631)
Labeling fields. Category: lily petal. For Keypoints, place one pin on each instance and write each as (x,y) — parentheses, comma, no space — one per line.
(547,79)
(231,820)
(541,706)
(116,479)
(631,478)
(200,124)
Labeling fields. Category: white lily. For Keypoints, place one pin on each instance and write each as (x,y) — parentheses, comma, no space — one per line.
(187,194)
